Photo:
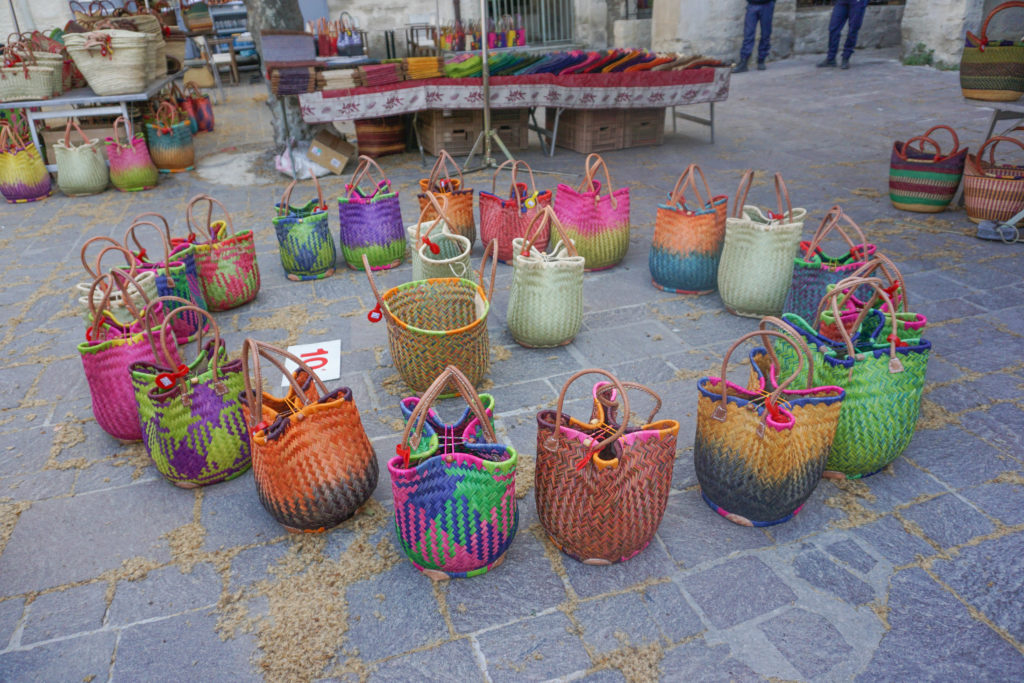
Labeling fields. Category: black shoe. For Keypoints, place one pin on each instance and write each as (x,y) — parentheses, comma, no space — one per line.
(845,63)
(831,63)
(740,68)
(761,66)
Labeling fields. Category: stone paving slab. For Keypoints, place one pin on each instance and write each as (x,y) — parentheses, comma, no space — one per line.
(108,573)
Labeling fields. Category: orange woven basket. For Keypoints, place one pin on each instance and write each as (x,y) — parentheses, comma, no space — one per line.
(313,463)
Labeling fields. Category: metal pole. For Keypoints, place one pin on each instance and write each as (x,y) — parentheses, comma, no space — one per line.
(14,17)
(488,161)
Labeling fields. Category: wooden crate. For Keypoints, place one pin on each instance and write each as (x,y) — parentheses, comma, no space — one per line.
(453,130)
(644,127)
(512,126)
(588,130)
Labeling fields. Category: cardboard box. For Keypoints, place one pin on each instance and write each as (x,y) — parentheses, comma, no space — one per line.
(331,151)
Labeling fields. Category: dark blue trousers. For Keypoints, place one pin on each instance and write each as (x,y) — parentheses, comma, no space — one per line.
(756,14)
(843,11)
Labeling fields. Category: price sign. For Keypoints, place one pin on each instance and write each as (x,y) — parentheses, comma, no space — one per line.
(323,358)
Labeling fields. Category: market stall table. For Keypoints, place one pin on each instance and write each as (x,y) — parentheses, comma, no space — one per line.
(83,101)
(625,90)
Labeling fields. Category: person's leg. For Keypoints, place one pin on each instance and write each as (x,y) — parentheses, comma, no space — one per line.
(840,13)
(749,31)
(856,12)
(764,46)
(749,28)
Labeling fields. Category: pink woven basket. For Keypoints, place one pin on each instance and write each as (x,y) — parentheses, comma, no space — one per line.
(599,225)
(506,219)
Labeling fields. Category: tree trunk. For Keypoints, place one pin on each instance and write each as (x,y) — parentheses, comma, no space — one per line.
(280,15)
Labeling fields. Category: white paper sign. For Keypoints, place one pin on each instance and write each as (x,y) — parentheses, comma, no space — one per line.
(323,358)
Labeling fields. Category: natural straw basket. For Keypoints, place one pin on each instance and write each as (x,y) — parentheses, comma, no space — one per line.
(436,323)
(112,61)
(22,77)
(437,252)
(545,302)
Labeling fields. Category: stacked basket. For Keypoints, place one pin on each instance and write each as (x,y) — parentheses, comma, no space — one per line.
(114,62)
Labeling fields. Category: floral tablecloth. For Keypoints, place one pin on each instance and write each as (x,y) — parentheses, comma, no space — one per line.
(626,90)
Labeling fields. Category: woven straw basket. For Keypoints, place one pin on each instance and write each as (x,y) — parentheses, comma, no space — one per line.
(602,485)
(760,451)
(687,242)
(993,192)
(545,303)
(436,323)
(313,463)
(460,198)
(112,61)
(756,267)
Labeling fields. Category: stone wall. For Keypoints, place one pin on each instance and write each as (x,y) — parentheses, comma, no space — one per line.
(591,23)
(634,33)
(881,28)
(940,26)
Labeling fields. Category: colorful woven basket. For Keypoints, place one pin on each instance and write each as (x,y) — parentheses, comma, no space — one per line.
(598,226)
(371,222)
(23,175)
(228,271)
(131,167)
(992,191)
(883,379)
(170,141)
(106,358)
(176,274)
(687,243)
(814,270)
(304,237)
(602,486)
(460,198)
(438,434)
(756,267)
(505,219)
(921,181)
(455,504)
(191,414)
(545,303)
(760,451)
(313,463)
(436,323)
(993,70)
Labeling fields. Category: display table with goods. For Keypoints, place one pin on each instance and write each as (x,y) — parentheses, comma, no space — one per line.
(84,102)
(557,92)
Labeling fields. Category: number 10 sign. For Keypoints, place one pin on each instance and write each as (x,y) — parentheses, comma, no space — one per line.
(323,358)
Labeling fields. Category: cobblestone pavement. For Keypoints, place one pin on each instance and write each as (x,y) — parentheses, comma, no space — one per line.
(107,572)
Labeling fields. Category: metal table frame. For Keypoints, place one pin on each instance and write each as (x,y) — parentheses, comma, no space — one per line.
(83,101)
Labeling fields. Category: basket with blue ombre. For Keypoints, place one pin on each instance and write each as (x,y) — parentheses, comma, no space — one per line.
(688,238)
(760,450)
